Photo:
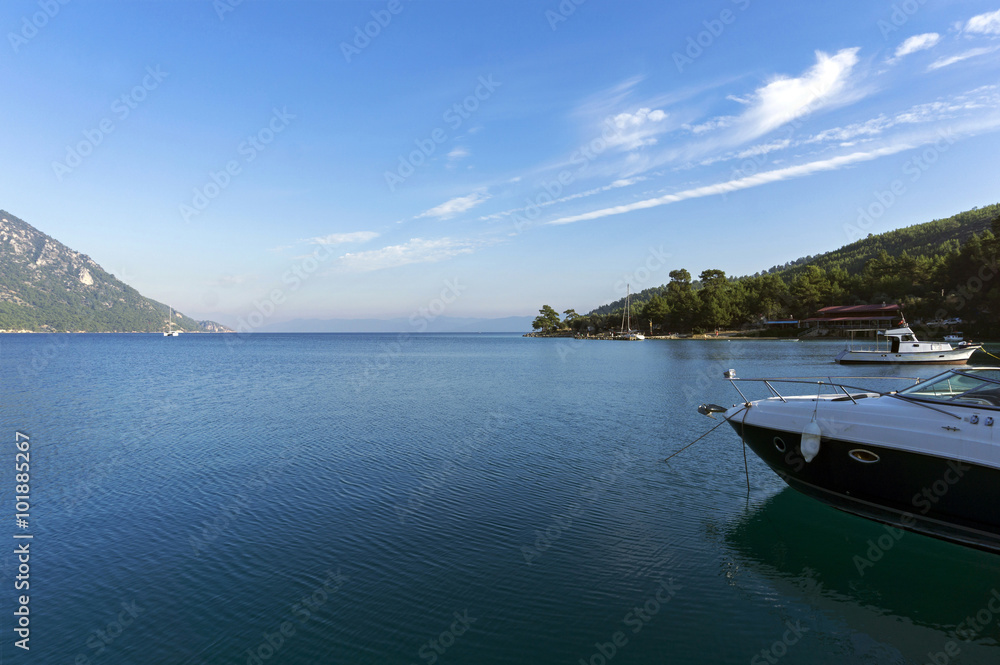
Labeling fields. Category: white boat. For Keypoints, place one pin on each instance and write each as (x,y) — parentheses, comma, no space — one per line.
(626,332)
(170,332)
(955,337)
(902,346)
(924,458)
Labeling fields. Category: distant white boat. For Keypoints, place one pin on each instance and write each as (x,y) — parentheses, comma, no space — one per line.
(170,332)
(903,347)
(626,333)
(955,337)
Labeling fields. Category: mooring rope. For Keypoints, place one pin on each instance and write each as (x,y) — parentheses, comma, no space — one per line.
(988,353)
(724,421)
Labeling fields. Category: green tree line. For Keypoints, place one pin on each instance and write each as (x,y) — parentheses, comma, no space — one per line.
(942,269)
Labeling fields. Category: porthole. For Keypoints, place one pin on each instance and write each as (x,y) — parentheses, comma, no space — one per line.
(865,456)
(779,444)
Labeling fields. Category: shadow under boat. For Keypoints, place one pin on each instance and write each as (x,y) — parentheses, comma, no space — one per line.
(911,592)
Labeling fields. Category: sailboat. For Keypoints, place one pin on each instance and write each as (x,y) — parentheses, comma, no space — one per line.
(170,332)
(626,332)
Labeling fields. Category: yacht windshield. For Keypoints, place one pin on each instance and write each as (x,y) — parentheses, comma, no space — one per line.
(979,387)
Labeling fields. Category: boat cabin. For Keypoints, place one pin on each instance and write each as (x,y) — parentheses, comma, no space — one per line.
(902,340)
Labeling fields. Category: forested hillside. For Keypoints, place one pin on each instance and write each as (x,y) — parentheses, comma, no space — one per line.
(940,269)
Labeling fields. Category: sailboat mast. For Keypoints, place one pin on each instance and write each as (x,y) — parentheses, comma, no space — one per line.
(628,307)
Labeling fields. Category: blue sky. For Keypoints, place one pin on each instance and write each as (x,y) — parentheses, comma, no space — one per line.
(229,157)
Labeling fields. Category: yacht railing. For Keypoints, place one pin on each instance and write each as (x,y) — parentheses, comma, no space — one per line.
(838,386)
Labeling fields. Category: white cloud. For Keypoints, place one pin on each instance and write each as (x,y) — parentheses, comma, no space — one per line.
(785,99)
(917,43)
(782,100)
(416,250)
(635,130)
(624,182)
(971,53)
(979,98)
(709,125)
(227,281)
(455,206)
(343,238)
(766,177)
(621,182)
(764,148)
(458,152)
(868,128)
(984,24)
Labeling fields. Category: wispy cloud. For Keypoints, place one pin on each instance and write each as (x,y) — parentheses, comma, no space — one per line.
(917,43)
(230,281)
(753,151)
(984,24)
(786,99)
(457,153)
(973,100)
(710,125)
(828,83)
(456,206)
(971,53)
(344,238)
(764,178)
(416,250)
(635,130)
(621,182)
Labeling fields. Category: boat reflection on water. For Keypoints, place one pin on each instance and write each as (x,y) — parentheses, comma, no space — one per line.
(920,600)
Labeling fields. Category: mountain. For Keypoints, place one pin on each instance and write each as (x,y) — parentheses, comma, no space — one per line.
(47,287)
(440,324)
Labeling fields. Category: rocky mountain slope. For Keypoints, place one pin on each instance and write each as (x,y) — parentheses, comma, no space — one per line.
(47,287)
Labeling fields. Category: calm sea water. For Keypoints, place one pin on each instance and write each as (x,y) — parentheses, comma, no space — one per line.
(441,499)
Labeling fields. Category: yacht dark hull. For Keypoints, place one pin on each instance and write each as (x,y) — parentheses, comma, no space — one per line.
(935,496)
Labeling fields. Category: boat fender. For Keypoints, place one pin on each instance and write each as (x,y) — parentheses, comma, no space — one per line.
(810,441)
